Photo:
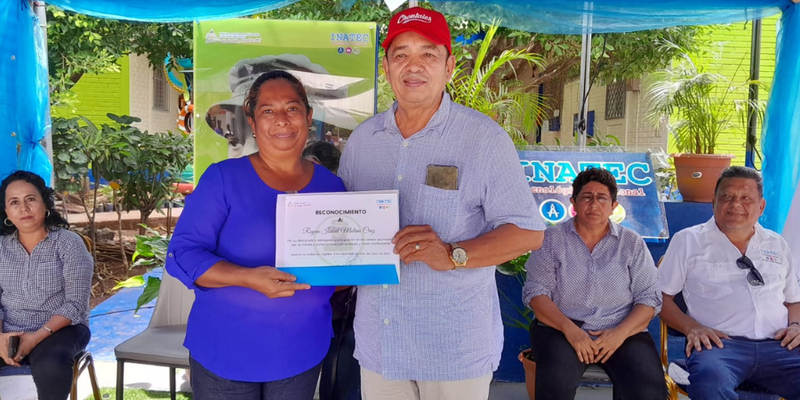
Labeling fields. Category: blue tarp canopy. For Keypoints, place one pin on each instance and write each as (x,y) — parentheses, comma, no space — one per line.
(23,74)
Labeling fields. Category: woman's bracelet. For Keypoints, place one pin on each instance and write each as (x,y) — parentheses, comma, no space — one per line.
(48,329)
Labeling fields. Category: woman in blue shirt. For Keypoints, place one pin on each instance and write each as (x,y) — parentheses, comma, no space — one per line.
(253,333)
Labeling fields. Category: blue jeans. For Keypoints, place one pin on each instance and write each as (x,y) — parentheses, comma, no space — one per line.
(51,361)
(714,374)
(208,386)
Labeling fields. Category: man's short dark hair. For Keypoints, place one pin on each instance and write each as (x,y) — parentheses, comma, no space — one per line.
(325,153)
(738,171)
(598,175)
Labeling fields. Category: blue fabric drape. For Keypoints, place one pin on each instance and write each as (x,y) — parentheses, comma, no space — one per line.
(781,140)
(571,16)
(25,114)
(548,16)
(169,11)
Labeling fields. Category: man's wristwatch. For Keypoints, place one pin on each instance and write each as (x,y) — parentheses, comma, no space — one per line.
(458,255)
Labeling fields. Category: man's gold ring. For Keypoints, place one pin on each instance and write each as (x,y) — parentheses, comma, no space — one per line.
(416,247)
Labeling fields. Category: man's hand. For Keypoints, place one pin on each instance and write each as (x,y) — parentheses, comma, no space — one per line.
(4,337)
(421,243)
(701,336)
(29,340)
(607,342)
(584,346)
(789,336)
(274,283)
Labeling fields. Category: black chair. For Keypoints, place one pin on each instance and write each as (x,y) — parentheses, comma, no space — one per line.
(675,370)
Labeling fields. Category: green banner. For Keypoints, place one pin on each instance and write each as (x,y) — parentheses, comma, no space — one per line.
(336,61)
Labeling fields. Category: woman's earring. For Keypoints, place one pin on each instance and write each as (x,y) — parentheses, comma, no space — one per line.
(8,223)
(47,214)
(254,136)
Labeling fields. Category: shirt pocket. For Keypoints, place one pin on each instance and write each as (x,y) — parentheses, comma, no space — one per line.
(50,279)
(438,208)
(713,280)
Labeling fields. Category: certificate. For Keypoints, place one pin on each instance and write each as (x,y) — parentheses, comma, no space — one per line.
(336,239)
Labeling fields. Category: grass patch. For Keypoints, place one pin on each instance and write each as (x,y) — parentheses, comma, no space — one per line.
(138,394)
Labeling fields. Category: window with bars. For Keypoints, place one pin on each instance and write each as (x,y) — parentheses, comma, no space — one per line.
(160,92)
(615,100)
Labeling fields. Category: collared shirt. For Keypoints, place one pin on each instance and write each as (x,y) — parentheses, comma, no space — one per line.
(701,262)
(598,287)
(436,325)
(55,279)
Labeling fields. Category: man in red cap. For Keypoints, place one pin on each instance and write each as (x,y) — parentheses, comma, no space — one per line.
(465,206)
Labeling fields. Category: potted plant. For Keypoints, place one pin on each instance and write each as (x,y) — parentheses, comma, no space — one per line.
(699,106)
(521,318)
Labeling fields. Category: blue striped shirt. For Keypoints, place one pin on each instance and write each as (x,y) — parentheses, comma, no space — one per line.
(437,326)
(599,287)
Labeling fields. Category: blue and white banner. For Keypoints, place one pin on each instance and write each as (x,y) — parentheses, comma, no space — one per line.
(550,176)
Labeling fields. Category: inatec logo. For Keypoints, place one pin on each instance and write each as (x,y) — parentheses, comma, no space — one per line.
(416,17)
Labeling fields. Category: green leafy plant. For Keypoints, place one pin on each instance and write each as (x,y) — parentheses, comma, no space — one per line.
(157,161)
(151,251)
(516,268)
(477,84)
(703,104)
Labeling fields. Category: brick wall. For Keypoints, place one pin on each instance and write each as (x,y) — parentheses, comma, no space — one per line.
(732,43)
(141,99)
(98,95)
(633,132)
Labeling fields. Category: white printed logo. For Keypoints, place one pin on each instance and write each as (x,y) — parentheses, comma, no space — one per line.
(211,37)
(416,17)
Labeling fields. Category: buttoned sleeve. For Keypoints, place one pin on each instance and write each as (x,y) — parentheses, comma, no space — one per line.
(541,267)
(507,197)
(644,277)
(792,289)
(77,269)
(672,271)
(191,249)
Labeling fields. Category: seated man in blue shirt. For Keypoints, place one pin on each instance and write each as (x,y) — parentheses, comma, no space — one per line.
(592,287)
(740,285)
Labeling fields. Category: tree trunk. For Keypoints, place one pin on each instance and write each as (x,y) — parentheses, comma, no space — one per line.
(144,216)
(118,209)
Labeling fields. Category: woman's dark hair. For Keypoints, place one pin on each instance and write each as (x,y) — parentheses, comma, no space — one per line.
(51,222)
(598,175)
(325,153)
(251,99)
(738,171)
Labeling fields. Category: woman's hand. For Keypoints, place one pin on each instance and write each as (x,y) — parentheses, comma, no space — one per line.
(584,346)
(608,341)
(4,339)
(29,340)
(274,283)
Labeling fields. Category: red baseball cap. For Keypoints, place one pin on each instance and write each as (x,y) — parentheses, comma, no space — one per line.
(428,23)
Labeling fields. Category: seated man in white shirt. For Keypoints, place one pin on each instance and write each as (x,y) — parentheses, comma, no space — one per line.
(742,296)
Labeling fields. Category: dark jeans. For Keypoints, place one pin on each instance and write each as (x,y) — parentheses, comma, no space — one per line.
(206,385)
(714,374)
(51,361)
(634,369)
(341,374)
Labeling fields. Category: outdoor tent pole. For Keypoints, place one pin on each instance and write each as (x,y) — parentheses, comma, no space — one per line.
(586,60)
(752,116)
(47,142)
